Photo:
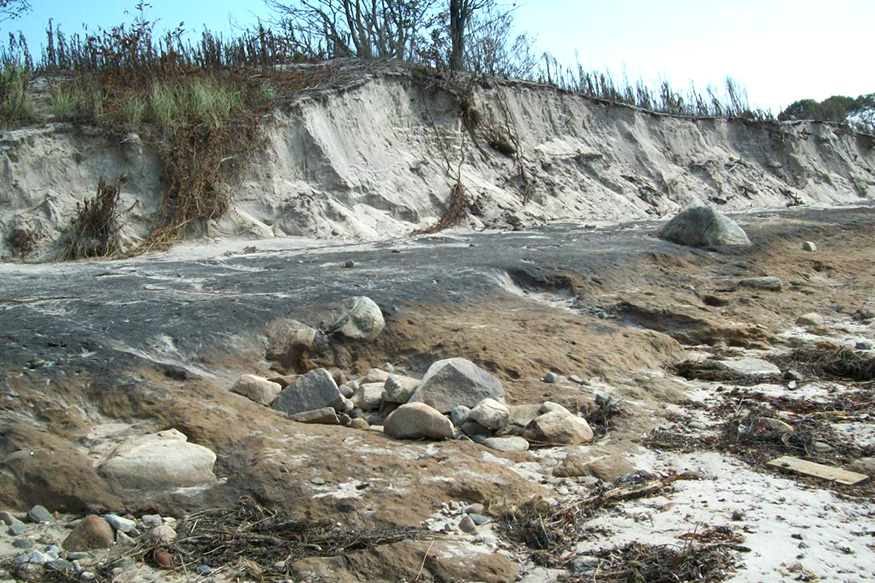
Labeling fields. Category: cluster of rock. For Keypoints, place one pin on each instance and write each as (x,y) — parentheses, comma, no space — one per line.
(46,547)
(454,398)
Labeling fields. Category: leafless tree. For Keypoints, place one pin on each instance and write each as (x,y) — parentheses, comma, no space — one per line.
(491,48)
(355,28)
(11,9)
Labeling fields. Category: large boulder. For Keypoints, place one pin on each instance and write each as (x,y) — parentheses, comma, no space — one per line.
(704,226)
(561,428)
(456,381)
(358,318)
(490,414)
(256,388)
(309,392)
(159,461)
(417,421)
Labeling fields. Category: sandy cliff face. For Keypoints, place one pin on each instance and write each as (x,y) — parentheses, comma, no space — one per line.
(378,160)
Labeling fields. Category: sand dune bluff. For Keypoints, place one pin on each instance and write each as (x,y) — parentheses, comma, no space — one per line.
(377,158)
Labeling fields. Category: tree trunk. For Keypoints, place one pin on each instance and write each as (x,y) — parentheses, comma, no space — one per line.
(459,12)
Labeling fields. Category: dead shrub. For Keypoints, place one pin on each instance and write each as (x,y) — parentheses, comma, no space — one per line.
(94,231)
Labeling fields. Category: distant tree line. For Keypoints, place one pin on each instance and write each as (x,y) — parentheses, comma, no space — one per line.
(858,112)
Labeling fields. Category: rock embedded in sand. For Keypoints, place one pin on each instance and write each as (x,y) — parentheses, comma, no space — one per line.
(490,414)
(809,246)
(509,444)
(92,532)
(704,226)
(606,468)
(287,340)
(322,416)
(256,388)
(810,319)
(159,461)
(763,283)
(560,428)
(864,465)
(309,392)
(456,381)
(359,318)
(749,366)
(416,421)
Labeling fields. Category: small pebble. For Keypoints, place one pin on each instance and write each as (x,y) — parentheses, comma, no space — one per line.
(349,264)
(119,523)
(864,345)
(22,543)
(30,572)
(53,551)
(474,509)
(87,576)
(78,556)
(575,379)
(820,447)
(16,529)
(36,362)
(124,540)
(550,377)
(467,525)
(479,518)
(163,534)
(126,564)
(163,559)
(803,545)
(809,246)
(206,570)
(61,565)
(40,515)
(151,520)
(35,557)
(8,519)
(317,481)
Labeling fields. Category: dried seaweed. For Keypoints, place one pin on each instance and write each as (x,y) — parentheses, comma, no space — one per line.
(831,362)
(254,541)
(711,370)
(643,563)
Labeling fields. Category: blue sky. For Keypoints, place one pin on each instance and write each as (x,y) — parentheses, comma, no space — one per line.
(781,50)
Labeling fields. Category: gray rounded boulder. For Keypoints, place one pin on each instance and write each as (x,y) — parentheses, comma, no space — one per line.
(704,226)
(417,421)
